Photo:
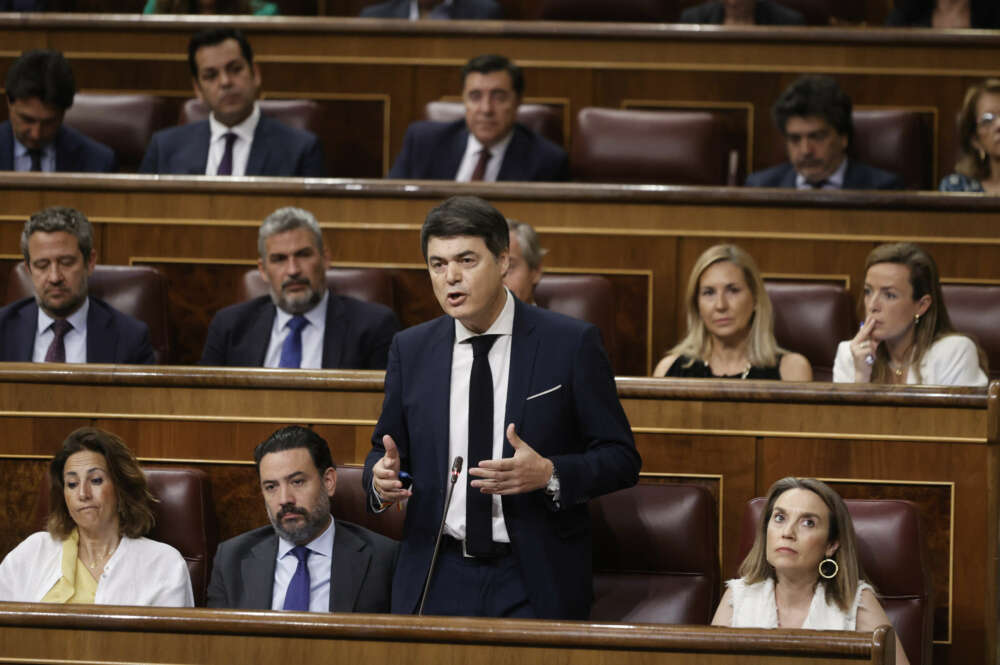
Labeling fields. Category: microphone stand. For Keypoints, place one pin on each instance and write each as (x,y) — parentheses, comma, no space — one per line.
(456,468)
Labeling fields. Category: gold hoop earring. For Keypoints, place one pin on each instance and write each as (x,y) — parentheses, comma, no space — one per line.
(825,564)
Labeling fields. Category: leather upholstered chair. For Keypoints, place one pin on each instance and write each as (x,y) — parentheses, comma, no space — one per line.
(139,291)
(297,113)
(656,554)
(590,298)
(124,123)
(897,140)
(540,118)
(894,557)
(603,10)
(974,310)
(367,284)
(811,318)
(185,519)
(348,503)
(662,147)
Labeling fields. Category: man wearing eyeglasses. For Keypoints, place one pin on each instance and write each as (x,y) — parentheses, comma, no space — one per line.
(814,116)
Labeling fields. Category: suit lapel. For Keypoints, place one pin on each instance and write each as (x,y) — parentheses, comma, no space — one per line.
(258,571)
(448,168)
(258,148)
(850,174)
(193,155)
(254,347)
(438,394)
(515,158)
(349,567)
(22,334)
(67,154)
(6,147)
(789,179)
(333,335)
(102,337)
(523,351)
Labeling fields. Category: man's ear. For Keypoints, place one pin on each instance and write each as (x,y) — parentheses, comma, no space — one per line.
(330,481)
(92,262)
(197,89)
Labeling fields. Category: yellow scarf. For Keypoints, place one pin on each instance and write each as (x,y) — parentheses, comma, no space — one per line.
(76,585)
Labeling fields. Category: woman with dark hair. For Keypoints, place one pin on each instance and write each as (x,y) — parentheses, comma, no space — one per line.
(907,335)
(945,14)
(803,569)
(93,550)
(978,167)
(730,325)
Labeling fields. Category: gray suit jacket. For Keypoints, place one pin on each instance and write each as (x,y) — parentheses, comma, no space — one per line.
(360,578)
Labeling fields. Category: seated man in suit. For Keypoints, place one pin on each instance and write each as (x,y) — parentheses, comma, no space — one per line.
(235,139)
(434,9)
(305,560)
(742,12)
(301,323)
(814,116)
(488,144)
(62,323)
(40,88)
(526,255)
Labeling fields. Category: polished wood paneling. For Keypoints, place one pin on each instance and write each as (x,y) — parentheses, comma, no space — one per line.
(588,64)
(935,446)
(46,634)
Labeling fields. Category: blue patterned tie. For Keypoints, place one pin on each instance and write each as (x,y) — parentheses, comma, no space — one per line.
(291,348)
(297,595)
(226,165)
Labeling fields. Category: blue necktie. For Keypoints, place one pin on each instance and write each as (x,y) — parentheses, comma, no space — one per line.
(226,165)
(297,595)
(291,348)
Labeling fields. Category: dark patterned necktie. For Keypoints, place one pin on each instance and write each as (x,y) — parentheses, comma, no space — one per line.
(36,159)
(226,165)
(57,349)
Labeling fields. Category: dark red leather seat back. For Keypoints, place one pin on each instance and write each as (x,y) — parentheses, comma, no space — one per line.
(589,298)
(974,310)
(124,123)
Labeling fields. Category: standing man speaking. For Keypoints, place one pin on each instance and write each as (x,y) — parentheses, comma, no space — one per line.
(527,397)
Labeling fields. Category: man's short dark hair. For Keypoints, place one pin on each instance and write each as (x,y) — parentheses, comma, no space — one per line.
(217,36)
(294,436)
(59,218)
(815,96)
(489,63)
(44,74)
(466,216)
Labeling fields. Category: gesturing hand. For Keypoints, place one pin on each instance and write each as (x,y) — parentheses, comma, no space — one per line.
(524,472)
(863,352)
(386,473)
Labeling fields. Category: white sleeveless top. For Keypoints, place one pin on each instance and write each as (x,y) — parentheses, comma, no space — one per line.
(754,606)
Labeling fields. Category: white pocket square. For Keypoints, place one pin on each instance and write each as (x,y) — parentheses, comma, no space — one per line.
(545,392)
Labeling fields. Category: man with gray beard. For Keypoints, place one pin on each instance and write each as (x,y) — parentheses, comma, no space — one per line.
(302,324)
(305,560)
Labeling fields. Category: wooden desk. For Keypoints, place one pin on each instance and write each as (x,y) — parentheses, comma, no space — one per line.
(936,447)
(88,634)
(400,66)
(202,233)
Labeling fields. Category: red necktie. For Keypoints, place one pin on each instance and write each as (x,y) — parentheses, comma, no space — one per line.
(480,170)
(57,349)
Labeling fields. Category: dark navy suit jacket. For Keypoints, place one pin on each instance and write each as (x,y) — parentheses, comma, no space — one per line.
(765,12)
(562,400)
(857,176)
(357,334)
(459,9)
(277,150)
(434,151)
(112,337)
(360,574)
(75,152)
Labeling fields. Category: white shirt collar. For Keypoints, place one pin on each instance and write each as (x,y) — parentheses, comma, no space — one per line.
(503,325)
(48,152)
(497,150)
(77,319)
(244,130)
(315,316)
(321,544)
(835,181)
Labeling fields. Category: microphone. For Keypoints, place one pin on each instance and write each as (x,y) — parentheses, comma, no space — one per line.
(456,468)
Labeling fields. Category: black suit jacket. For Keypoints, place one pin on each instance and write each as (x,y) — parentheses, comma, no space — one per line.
(360,573)
(357,334)
(562,400)
(765,13)
(434,151)
(75,152)
(459,9)
(857,176)
(112,337)
(277,150)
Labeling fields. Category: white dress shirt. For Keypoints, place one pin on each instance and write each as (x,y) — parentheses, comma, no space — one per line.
(320,563)
(458,424)
(312,336)
(835,181)
(952,360)
(75,340)
(241,148)
(22,160)
(472,149)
